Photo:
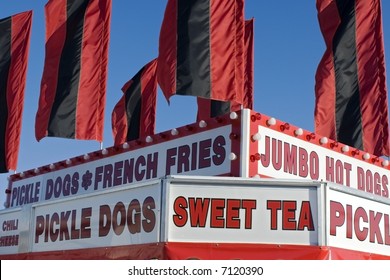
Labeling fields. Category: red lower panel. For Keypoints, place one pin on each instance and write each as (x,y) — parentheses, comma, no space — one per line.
(344,254)
(203,251)
(228,251)
(130,252)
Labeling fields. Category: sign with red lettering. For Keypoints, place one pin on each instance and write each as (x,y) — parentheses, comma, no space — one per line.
(203,209)
(323,193)
(239,211)
(117,217)
(10,221)
(283,156)
(358,223)
(205,153)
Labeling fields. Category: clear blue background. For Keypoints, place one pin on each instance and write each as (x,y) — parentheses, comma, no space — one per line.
(288,48)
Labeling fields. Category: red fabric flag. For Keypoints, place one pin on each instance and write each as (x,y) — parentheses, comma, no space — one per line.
(201,49)
(14,46)
(208,108)
(134,116)
(73,86)
(351,92)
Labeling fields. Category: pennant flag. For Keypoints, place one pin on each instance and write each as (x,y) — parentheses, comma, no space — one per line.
(134,116)
(351,94)
(208,108)
(14,46)
(201,49)
(73,86)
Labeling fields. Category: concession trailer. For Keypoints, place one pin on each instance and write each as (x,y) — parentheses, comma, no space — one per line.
(240,186)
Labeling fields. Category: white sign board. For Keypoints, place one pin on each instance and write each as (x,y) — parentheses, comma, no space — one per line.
(358,223)
(10,239)
(205,153)
(286,157)
(235,213)
(118,217)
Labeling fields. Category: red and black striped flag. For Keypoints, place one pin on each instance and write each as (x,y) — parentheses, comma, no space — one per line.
(208,108)
(351,93)
(14,45)
(201,49)
(73,86)
(134,116)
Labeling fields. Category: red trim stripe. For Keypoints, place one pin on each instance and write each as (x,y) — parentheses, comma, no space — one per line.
(202,251)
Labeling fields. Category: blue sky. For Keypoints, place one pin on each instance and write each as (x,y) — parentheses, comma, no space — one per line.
(288,48)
